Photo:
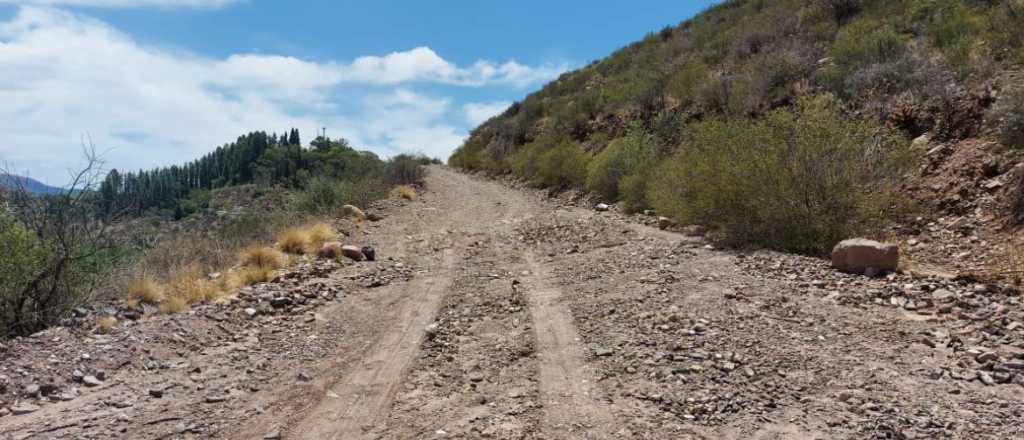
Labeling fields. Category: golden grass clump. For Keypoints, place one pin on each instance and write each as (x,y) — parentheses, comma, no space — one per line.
(319,234)
(262,257)
(106,324)
(405,191)
(173,305)
(191,285)
(248,276)
(143,288)
(293,241)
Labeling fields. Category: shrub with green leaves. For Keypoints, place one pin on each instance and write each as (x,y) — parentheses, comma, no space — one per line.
(797,179)
(21,260)
(1007,116)
(619,171)
(323,194)
(564,166)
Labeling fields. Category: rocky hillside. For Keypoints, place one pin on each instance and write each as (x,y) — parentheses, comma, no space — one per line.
(938,72)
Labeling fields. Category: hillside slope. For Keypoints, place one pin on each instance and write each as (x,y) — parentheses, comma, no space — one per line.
(31,185)
(747,74)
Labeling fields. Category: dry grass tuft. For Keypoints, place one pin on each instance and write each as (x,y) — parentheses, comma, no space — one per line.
(405,191)
(191,285)
(319,234)
(293,241)
(106,324)
(173,305)
(262,257)
(144,289)
(248,276)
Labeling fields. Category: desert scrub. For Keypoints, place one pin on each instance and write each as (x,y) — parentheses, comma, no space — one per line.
(106,324)
(261,257)
(619,171)
(319,233)
(405,191)
(293,241)
(796,180)
(564,166)
(1007,116)
(144,289)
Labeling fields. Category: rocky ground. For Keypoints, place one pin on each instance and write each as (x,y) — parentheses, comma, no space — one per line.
(495,312)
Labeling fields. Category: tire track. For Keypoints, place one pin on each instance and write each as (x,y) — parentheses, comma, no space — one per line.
(573,405)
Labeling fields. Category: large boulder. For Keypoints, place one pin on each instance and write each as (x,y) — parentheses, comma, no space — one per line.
(353,252)
(665,223)
(352,212)
(330,250)
(866,257)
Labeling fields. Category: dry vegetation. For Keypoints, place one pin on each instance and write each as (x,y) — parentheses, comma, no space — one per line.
(405,191)
(191,284)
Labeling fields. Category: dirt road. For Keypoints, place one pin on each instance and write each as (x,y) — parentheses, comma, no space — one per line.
(506,315)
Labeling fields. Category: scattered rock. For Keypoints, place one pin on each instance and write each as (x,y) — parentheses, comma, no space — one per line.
(23,409)
(156,393)
(860,256)
(352,212)
(352,252)
(370,253)
(216,398)
(664,223)
(330,250)
(601,207)
(91,381)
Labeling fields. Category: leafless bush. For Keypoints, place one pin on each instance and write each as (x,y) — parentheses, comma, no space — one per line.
(62,248)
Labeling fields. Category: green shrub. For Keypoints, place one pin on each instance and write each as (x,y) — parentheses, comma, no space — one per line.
(1007,116)
(864,42)
(21,260)
(405,169)
(684,84)
(563,166)
(628,156)
(796,180)
(323,194)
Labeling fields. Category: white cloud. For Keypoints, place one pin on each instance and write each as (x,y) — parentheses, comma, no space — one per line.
(126,3)
(479,112)
(65,75)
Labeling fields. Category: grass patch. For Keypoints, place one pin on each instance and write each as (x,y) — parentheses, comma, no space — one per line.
(144,289)
(106,324)
(293,241)
(193,286)
(320,233)
(262,257)
(173,306)
(406,192)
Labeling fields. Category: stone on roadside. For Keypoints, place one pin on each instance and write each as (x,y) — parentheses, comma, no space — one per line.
(369,252)
(352,212)
(330,250)
(91,381)
(601,207)
(664,223)
(863,256)
(20,410)
(352,252)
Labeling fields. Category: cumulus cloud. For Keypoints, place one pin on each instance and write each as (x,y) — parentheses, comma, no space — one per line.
(479,112)
(126,3)
(65,75)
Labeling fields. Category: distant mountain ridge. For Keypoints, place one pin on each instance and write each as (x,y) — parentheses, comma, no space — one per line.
(32,185)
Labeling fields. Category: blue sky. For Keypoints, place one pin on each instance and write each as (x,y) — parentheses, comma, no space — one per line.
(157,82)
